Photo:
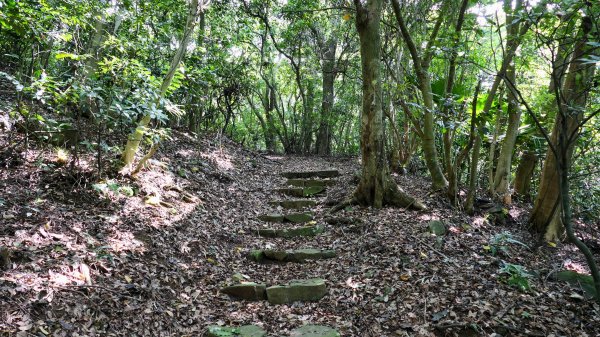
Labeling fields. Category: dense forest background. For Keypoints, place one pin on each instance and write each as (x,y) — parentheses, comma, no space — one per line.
(471,91)
(489,100)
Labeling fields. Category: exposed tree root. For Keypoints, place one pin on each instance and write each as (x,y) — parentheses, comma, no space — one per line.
(393,196)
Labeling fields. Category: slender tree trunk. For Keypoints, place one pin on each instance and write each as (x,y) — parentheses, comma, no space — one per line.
(421,65)
(324,136)
(136,136)
(503,168)
(500,184)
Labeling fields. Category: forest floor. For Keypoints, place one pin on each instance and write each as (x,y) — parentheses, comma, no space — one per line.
(148,256)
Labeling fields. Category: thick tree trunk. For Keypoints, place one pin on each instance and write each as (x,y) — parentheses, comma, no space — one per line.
(376,187)
(546,214)
(324,136)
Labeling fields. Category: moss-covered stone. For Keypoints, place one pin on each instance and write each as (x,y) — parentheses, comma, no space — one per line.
(299,255)
(257,255)
(586,282)
(310,330)
(293,204)
(310,290)
(246,291)
(309,182)
(312,190)
(242,331)
(299,217)
(271,217)
(301,191)
(291,232)
(311,174)
(437,227)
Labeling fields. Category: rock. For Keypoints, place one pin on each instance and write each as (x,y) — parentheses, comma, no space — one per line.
(242,331)
(310,290)
(271,217)
(309,182)
(291,232)
(299,217)
(291,217)
(437,227)
(311,174)
(310,330)
(299,255)
(301,192)
(293,204)
(246,291)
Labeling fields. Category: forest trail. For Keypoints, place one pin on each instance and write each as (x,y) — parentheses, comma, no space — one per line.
(151,256)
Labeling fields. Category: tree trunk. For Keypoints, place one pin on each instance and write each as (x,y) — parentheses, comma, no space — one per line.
(524,174)
(503,168)
(136,136)
(421,66)
(500,184)
(324,135)
(546,214)
(376,186)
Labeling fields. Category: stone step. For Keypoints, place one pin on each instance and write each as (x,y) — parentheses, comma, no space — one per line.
(311,174)
(301,191)
(310,290)
(293,204)
(299,255)
(298,217)
(309,182)
(242,331)
(311,330)
(291,232)
(246,291)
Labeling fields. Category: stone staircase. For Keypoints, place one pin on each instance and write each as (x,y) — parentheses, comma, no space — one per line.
(298,219)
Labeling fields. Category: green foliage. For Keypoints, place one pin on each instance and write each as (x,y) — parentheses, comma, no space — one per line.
(500,244)
(111,188)
(516,276)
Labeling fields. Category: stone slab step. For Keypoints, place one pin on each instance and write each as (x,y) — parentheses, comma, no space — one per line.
(242,331)
(310,290)
(311,330)
(309,182)
(311,174)
(293,204)
(246,291)
(298,217)
(301,191)
(291,232)
(298,255)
